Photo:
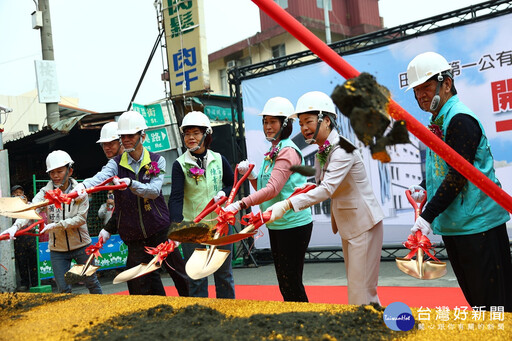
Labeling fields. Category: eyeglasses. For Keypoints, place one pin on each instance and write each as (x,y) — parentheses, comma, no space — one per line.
(196,135)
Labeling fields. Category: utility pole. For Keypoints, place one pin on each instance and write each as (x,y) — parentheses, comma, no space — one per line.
(327,21)
(7,267)
(52,109)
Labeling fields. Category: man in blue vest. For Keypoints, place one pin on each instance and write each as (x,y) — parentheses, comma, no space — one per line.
(471,223)
(142,214)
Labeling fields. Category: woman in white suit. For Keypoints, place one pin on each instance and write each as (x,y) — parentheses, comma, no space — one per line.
(340,175)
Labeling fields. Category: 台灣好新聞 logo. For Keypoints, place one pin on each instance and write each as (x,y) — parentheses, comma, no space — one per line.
(398,316)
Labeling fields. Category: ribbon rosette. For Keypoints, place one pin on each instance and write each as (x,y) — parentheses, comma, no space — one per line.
(95,249)
(224,219)
(56,197)
(419,241)
(162,251)
(256,219)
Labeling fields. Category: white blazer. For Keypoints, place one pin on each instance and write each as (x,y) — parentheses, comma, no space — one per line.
(354,207)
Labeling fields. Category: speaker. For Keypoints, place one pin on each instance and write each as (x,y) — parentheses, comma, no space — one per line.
(223,142)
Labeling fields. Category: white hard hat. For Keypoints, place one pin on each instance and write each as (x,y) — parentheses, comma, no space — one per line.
(278,106)
(315,101)
(108,132)
(196,119)
(56,159)
(424,66)
(131,122)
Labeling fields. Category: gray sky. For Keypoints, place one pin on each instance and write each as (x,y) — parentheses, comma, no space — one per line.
(101,46)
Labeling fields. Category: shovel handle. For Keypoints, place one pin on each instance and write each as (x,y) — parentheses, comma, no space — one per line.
(24,231)
(210,207)
(417,209)
(302,190)
(237,183)
(101,187)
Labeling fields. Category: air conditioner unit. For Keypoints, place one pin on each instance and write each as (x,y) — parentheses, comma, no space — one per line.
(231,64)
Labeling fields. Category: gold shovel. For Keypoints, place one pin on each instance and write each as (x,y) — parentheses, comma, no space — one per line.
(79,272)
(420,244)
(253,222)
(16,208)
(137,271)
(161,252)
(204,262)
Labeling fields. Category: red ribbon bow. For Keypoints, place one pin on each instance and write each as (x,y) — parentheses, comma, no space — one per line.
(162,250)
(224,220)
(256,219)
(250,219)
(419,241)
(95,249)
(56,197)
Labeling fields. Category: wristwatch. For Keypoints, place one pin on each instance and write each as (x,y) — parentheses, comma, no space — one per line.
(243,205)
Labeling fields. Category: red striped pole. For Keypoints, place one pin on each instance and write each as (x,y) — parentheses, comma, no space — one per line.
(347,71)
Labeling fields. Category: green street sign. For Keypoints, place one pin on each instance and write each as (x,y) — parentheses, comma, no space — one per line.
(153,114)
(157,140)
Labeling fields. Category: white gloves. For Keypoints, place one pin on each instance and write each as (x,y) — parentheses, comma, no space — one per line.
(418,193)
(11,231)
(127,181)
(218,196)
(278,210)
(80,189)
(243,167)
(422,225)
(48,227)
(105,235)
(234,207)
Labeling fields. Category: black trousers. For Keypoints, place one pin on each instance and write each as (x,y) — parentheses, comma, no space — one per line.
(289,250)
(25,254)
(483,267)
(151,284)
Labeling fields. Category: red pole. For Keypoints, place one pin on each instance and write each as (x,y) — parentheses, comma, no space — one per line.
(347,71)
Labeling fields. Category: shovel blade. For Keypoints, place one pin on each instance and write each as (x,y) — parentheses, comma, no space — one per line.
(76,273)
(11,207)
(136,271)
(199,266)
(31,214)
(129,274)
(408,266)
(190,232)
(424,270)
(232,238)
(152,266)
(433,270)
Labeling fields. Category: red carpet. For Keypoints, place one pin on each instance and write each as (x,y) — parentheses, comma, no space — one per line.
(430,297)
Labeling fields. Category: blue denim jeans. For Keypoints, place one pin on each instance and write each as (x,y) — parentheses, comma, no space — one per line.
(224,282)
(61,263)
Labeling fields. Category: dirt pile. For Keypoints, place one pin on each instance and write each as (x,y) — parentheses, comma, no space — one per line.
(114,317)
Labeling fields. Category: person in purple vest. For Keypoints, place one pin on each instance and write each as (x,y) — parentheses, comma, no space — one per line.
(142,214)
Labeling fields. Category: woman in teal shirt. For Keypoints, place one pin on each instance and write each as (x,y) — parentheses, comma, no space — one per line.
(289,237)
